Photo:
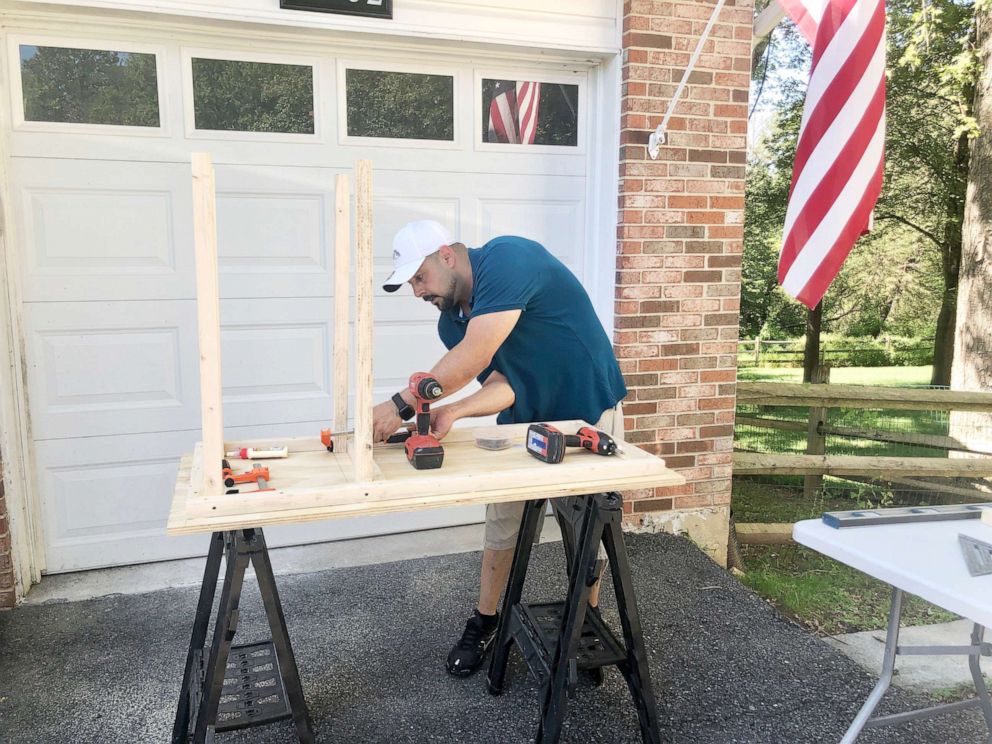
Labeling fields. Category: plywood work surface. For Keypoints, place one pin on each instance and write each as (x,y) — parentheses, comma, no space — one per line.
(314,484)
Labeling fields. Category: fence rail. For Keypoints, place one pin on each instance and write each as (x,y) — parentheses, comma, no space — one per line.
(757,351)
(861,396)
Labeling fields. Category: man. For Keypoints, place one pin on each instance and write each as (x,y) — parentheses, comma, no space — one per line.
(514,317)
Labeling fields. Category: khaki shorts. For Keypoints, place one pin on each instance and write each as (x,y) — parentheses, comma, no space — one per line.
(503,520)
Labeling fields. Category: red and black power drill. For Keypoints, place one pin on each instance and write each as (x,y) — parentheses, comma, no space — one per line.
(548,444)
(423,449)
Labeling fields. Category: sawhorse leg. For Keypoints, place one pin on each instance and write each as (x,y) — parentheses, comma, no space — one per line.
(203,683)
(529,524)
(201,622)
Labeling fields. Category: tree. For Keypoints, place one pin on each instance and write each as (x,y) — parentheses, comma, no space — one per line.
(973,336)
(89,86)
(930,92)
(902,277)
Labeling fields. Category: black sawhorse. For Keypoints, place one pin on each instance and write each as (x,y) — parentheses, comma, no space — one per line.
(559,639)
(238,686)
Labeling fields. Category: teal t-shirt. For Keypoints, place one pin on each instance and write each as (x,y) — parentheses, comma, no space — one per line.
(558,359)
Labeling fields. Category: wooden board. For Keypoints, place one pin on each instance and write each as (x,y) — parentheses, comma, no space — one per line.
(208,312)
(860,396)
(760,463)
(313,484)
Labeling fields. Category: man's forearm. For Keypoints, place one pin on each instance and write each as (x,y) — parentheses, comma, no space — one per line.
(492,398)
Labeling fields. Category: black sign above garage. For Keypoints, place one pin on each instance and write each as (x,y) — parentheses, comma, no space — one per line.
(373,8)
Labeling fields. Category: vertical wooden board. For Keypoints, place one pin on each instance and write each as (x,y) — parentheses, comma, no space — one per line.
(342,304)
(208,319)
(362,456)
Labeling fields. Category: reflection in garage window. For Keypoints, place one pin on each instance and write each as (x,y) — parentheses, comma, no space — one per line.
(530,113)
(89,86)
(238,96)
(400,104)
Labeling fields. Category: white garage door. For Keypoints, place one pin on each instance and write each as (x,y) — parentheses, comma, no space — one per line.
(100,181)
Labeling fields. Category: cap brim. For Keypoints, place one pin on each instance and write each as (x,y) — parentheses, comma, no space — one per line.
(401,276)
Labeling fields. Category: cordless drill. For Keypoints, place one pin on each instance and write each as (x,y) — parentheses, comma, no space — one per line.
(548,444)
(423,449)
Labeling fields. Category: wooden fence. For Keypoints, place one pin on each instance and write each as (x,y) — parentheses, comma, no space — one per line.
(911,472)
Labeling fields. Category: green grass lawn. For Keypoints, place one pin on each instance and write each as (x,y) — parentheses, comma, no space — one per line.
(893,376)
(824,595)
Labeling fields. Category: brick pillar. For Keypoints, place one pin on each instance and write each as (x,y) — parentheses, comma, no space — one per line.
(6,565)
(680,239)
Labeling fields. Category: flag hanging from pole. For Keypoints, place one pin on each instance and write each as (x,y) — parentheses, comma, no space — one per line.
(837,174)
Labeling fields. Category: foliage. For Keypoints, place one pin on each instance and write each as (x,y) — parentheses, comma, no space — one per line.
(252,96)
(89,86)
(400,104)
(893,281)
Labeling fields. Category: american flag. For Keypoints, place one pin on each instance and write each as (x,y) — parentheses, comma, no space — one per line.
(513,112)
(837,174)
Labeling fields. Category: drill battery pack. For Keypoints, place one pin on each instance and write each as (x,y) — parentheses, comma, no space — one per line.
(546,443)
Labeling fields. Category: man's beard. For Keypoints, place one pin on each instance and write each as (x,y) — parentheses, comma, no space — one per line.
(446,300)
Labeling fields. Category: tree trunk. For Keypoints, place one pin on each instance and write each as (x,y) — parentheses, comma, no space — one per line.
(972,369)
(950,259)
(972,365)
(811,354)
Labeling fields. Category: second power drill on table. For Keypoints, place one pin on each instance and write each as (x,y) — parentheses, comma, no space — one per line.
(548,444)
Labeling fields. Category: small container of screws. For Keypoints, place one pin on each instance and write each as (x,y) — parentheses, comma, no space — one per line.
(492,438)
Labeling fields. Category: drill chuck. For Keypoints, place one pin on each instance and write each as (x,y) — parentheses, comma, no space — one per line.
(429,389)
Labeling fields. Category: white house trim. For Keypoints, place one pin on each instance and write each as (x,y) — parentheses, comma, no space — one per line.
(20,485)
(577,26)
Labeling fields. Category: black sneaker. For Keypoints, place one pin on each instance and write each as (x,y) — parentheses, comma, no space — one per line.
(467,655)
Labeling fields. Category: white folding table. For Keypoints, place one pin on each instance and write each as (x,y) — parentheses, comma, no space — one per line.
(921,558)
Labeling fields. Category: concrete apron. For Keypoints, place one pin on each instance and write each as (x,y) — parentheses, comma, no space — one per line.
(917,673)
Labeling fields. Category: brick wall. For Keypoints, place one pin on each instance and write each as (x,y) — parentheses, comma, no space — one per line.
(680,238)
(6,567)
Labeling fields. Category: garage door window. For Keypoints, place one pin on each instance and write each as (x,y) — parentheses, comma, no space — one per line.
(240,96)
(400,105)
(89,86)
(529,112)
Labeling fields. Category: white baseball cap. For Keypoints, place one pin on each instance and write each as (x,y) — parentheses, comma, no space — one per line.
(413,243)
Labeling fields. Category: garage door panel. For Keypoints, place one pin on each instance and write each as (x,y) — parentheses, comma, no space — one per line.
(107,499)
(276,360)
(99,231)
(556,224)
(111,368)
(275,229)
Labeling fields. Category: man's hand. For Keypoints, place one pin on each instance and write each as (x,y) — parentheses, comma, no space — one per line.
(442,418)
(385,421)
